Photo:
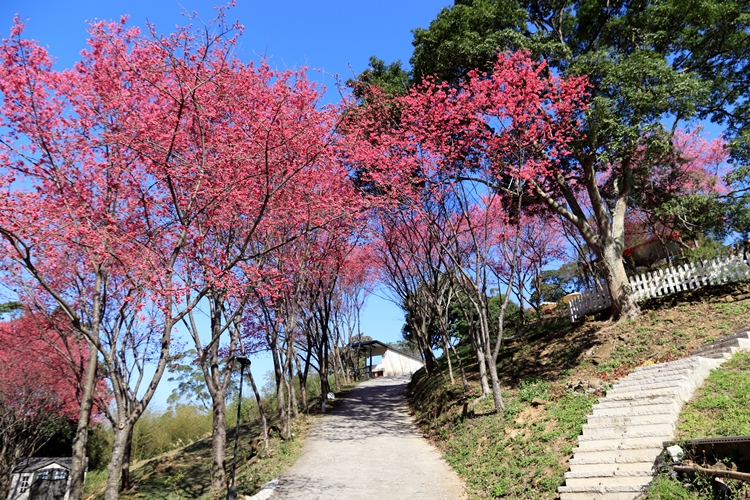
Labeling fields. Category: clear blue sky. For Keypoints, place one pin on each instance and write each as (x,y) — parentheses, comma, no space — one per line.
(333,36)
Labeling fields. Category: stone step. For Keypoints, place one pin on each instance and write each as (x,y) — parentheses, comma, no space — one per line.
(627,410)
(608,464)
(664,372)
(613,459)
(606,403)
(608,478)
(642,440)
(719,344)
(743,332)
(641,382)
(719,355)
(631,419)
(602,431)
(613,492)
(621,452)
(597,495)
(680,363)
(648,394)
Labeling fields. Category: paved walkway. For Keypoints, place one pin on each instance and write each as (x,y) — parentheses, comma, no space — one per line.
(368,448)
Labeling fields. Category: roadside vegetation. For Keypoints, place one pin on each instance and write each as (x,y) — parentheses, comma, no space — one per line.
(172,450)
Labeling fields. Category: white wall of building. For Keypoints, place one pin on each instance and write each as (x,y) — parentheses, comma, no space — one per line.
(395,364)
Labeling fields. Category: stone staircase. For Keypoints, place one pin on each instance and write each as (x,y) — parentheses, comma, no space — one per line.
(623,437)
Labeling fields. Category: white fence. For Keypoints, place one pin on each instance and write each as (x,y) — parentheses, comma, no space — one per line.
(662,282)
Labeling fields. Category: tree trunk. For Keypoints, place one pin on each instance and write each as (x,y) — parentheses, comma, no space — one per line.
(218,444)
(323,375)
(496,391)
(424,346)
(126,455)
(80,441)
(448,358)
(337,367)
(119,443)
(481,359)
(290,356)
(464,380)
(302,375)
(624,305)
(261,411)
(278,373)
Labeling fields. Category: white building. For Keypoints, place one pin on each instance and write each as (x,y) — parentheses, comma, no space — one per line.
(40,478)
(394,363)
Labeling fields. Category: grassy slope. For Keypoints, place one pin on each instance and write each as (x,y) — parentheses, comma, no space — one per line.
(185,473)
(524,452)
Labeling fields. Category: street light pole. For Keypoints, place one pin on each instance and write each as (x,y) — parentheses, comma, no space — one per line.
(232,492)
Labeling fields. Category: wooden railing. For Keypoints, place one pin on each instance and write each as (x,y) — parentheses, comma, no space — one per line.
(725,269)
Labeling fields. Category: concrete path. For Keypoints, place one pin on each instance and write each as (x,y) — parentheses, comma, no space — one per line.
(368,448)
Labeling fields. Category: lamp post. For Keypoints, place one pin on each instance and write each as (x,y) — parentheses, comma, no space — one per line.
(232,492)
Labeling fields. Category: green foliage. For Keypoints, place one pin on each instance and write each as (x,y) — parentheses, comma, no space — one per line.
(157,433)
(723,405)
(459,327)
(557,283)
(392,79)
(533,388)
(191,385)
(664,487)
(7,307)
(706,249)
(98,448)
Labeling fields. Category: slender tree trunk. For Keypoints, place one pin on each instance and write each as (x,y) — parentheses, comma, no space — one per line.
(119,443)
(496,391)
(323,375)
(278,373)
(464,380)
(80,440)
(125,484)
(476,344)
(302,375)
(448,357)
(261,411)
(218,442)
(290,356)
(424,346)
(337,366)
(482,361)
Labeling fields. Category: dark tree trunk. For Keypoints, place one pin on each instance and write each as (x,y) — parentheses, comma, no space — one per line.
(125,484)
(119,444)
(261,411)
(218,443)
(80,441)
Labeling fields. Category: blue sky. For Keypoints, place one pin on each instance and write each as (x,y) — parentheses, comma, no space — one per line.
(331,37)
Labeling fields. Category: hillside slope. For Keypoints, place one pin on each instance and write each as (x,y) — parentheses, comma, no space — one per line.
(552,376)
(185,473)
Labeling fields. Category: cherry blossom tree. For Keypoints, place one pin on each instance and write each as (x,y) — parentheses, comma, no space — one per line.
(137,184)
(40,364)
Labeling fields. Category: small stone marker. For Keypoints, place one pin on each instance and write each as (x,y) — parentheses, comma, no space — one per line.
(676,453)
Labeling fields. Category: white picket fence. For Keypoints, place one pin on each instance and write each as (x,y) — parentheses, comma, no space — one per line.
(726,269)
